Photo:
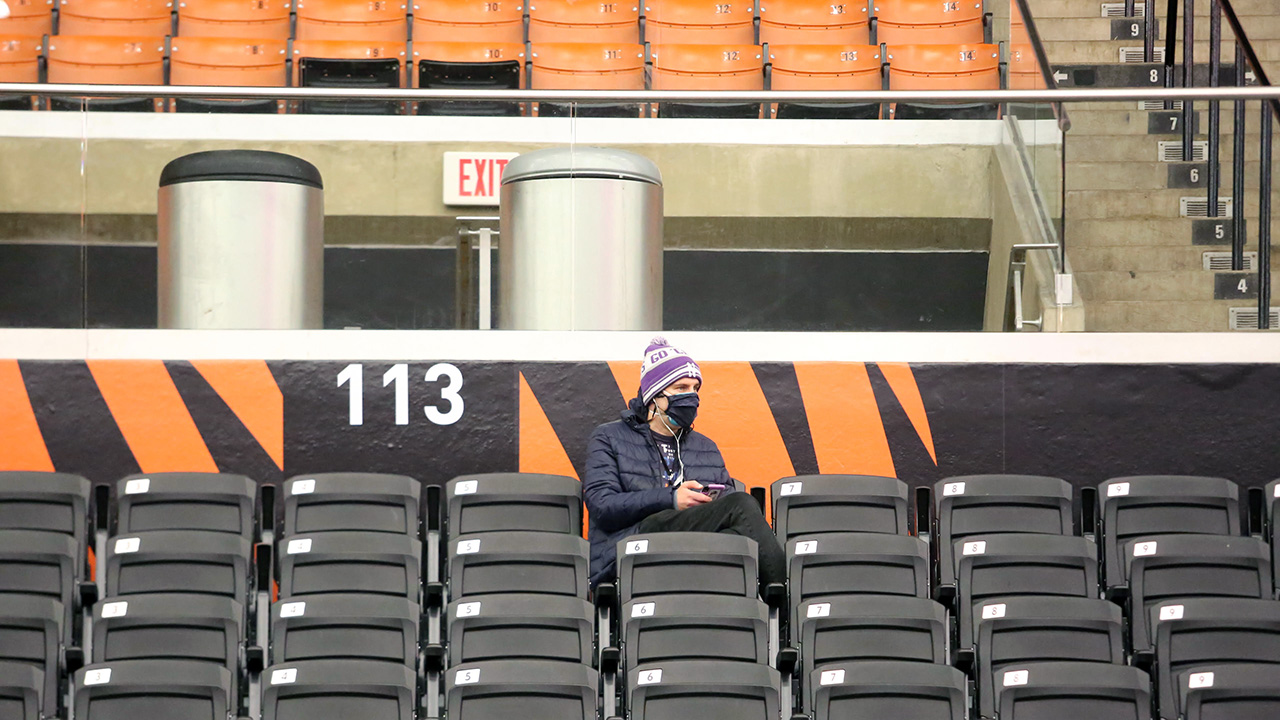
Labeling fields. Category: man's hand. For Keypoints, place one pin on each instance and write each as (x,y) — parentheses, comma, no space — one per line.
(687,495)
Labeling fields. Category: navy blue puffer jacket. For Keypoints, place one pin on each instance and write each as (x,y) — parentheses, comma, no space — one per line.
(624,482)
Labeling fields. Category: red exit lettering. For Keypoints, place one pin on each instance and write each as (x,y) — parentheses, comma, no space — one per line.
(485,179)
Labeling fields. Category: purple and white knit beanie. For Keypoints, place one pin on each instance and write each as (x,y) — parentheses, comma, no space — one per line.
(662,366)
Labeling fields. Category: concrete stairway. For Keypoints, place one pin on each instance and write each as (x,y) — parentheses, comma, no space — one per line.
(1140,265)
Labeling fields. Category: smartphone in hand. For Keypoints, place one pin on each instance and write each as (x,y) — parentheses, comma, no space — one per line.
(713,490)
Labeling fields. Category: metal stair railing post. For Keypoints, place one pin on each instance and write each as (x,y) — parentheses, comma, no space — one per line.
(1237,167)
(1264,223)
(1170,46)
(1188,78)
(1149,37)
(1215,108)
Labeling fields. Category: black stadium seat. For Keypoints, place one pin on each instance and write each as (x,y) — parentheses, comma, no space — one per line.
(1230,692)
(516,626)
(345,626)
(185,501)
(351,562)
(450,75)
(179,561)
(367,502)
(1164,567)
(703,689)
(533,689)
(835,564)
(686,562)
(20,691)
(662,628)
(45,501)
(1025,630)
(1015,564)
(990,504)
(1134,507)
(514,502)
(31,634)
(1074,691)
(886,690)
(518,562)
(338,690)
(40,563)
(863,628)
(1197,632)
(1273,512)
(814,504)
(135,689)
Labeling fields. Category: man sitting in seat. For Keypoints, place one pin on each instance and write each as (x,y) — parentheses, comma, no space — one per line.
(651,472)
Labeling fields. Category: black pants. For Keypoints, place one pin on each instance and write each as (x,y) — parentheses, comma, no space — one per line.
(736,513)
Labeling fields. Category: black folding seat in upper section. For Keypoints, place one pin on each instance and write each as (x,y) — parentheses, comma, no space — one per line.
(31,633)
(813,504)
(45,501)
(179,561)
(346,627)
(835,564)
(211,502)
(518,562)
(517,626)
(1197,632)
(686,562)
(40,563)
(364,502)
(1230,692)
(1021,631)
(1273,512)
(20,691)
(991,504)
(1135,507)
(889,689)
(662,628)
(703,689)
(338,690)
(507,689)
(351,562)
(136,689)
(1074,691)
(861,628)
(1164,567)
(505,502)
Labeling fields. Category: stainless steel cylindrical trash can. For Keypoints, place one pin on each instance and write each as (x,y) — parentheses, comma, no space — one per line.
(581,241)
(241,240)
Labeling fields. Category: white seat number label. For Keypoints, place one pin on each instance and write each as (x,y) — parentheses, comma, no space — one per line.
(819,610)
(1171,612)
(977,547)
(637,547)
(832,677)
(115,609)
(1118,490)
(650,677)
(1016,677)
(468,547)
(302,545)
(137,486)
(466,487)
(808,547)
(467,677)
(101,676)
(1143,549)
(284,677)
(991,612)
(127,545)
(792,488)
(1200,680)
(468,609)
(293,609)
(1277,493)
(955,488)
(303,487)
(646,609)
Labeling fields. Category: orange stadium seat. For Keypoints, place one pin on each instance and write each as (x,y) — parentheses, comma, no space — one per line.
(352,20)
(103,60)
(28,17)
(349,63)
(469,65)
(901,22)
(708,67)
(804,22)
(727,22)
(826,67)
(120,18)
(20,63)
(944,67)
(588,66)
(484,21)
(255,19)
(244,62)
(580,21)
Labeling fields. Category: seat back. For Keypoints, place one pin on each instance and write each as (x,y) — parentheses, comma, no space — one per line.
(1240,692)
(385,20)
(814,504)
(826,67)
(1069,690)
(338,690)
(708,67)
(351,502)
(504,502)
(31,634)
(1272,502)
(227,62)
(704,689)
(683,562)
(40,563)
(99,60)
(588,66)
(888,689)
(566,21)
(836,564)
(376,514)
(176,626)
(116,18)
(1136,506)
(502,689)
(520,626)
(43,501)
(20,691)
(179,561)
(345,627)
(929,22)
(265,19)
(518,562)
(351,562)
(663,628)
(131,689)
(20,63)
(210,502)
(795,22)
(470,65)
(699,22)
(31,18)
(471,21)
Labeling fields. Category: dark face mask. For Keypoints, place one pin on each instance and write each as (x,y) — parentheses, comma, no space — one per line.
(682,408)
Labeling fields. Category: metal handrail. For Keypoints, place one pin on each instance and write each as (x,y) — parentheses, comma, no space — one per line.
(1042,59)
(1060,95)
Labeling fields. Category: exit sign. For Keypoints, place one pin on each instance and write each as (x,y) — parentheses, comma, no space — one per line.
(474,178)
